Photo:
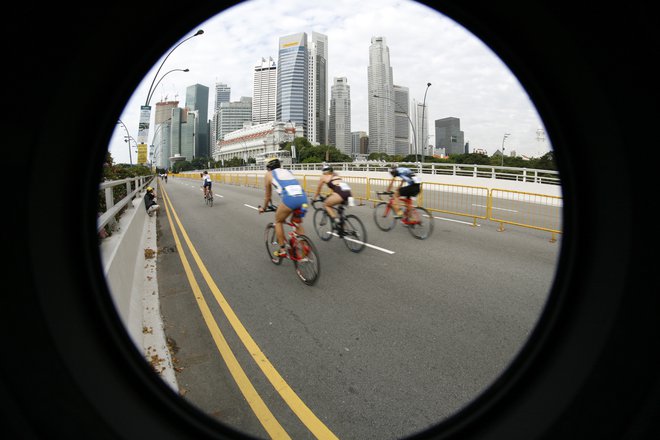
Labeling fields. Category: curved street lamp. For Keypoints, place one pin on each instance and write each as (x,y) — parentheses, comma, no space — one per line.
(145,111)
(424,108)
(151,95)
(409,120)
(128,135)
(199,32)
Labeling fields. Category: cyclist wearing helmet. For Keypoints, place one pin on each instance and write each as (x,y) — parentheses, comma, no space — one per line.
(341,191)
(292,197)
(206,183)
(411,188)
(150,201)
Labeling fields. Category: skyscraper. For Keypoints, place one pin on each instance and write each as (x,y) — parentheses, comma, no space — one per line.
(448,135)
(293,81)
(381,98)
(318,89)
(222,94)
(339,133)
(197,101)
(401,121)
(264,91)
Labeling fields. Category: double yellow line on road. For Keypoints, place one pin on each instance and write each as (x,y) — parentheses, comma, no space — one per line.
(267,419)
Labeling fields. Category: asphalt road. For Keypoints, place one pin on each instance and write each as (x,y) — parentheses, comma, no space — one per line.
(388,342)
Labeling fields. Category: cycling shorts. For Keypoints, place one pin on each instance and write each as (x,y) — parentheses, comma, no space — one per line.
(410,190)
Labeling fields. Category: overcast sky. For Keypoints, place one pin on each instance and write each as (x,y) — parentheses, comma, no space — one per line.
(468,80)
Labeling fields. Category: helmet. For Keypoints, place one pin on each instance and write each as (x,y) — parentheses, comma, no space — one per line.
(149,188)
(326,169)
(206,172)
(394,171)
(272,163)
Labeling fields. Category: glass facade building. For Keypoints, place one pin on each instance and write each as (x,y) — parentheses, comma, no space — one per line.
(293,81)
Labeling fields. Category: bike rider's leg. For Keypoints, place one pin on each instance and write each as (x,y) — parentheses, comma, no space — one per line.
(281,215)
(395,204)
(332,200)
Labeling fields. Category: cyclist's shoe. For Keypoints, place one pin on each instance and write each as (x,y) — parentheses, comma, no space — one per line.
(398,214)
(280,253)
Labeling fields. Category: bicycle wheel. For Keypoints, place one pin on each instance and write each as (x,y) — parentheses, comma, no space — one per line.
(322,224)
(355,235)
(384,217)
(270,237)
(420,223)
(210,199)
(306,260)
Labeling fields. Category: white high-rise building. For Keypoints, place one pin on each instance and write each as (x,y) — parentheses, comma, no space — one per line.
(339,133)
(422,129)
(318,90)
(264,91)
(381,98)
(222,94)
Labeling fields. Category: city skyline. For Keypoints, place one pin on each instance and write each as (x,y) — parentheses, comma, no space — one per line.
(469,82)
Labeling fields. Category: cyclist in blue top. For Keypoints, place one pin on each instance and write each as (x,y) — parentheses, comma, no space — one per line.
(411,188)
(291,193)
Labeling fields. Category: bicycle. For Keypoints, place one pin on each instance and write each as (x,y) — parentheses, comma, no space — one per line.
(349,228)
(301,250)
(418,219)
(208,198)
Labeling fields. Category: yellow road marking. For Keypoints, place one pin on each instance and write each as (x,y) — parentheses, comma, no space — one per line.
(268,421)
(306,416)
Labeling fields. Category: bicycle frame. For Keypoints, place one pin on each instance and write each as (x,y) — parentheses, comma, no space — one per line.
(409,208)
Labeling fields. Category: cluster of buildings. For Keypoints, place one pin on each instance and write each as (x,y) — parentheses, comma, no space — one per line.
(290,99)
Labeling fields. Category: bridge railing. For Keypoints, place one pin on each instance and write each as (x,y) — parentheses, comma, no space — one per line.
(528,175)
(517,208)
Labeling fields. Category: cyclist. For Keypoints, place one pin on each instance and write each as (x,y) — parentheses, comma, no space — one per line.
(206,183)
(410,189)
(341,191)
(292,197)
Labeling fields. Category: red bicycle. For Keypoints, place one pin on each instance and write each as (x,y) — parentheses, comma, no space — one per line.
(301,250)
(418,220)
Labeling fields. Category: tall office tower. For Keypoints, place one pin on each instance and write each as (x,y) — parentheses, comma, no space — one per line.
(448,135)
(293,81)
(339,133)
(222,94)
(161,144)
(233,115)
(318,89)
(401,121)
(357,143)
(421,128)
(197,100)
(264,91)
(381,98)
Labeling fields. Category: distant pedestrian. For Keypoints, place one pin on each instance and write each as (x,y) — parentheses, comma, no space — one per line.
(150,201)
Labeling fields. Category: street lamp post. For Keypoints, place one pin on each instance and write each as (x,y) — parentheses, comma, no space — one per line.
(130,156)
(151,95)
(145,113)
(409,120)
(506,135)
(199,32)
(424,108)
